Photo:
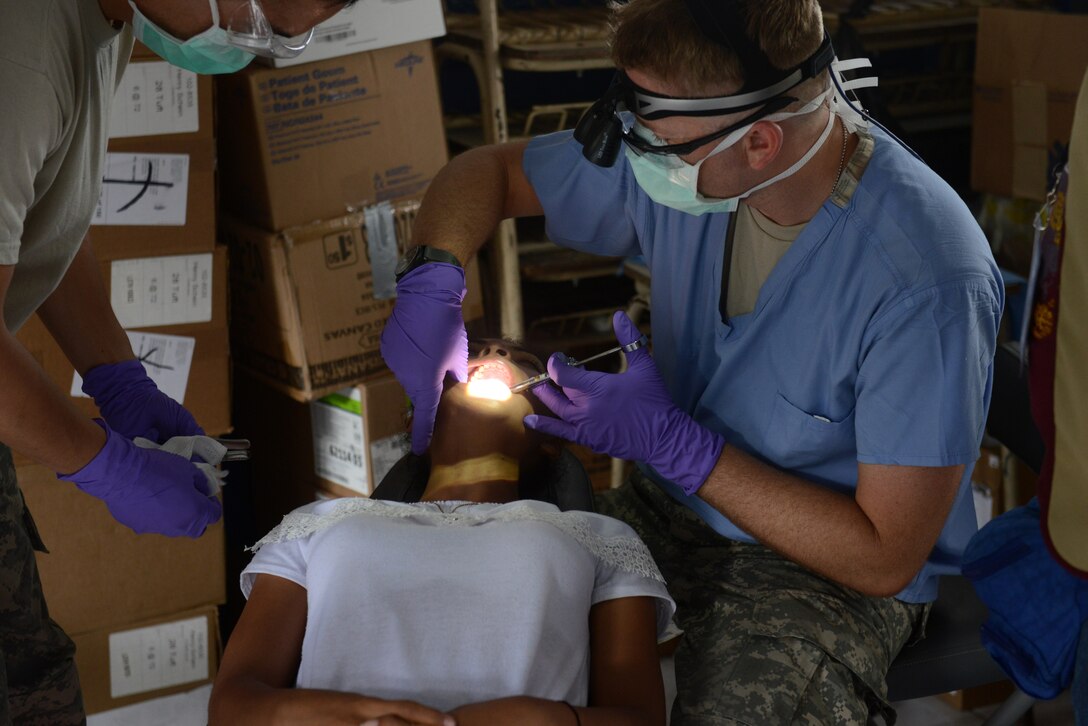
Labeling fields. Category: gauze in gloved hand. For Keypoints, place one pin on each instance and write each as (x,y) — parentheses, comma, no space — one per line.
(147,490)
(628,415)
(425,339)
(134,406)
(203,451)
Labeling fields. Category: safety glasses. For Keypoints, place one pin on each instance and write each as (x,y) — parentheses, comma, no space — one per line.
(601,131)
(643,141)
(248,29)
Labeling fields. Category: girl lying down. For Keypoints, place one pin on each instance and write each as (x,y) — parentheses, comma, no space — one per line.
(470,606)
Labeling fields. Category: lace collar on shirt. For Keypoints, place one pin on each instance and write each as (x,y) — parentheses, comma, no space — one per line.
(624,552)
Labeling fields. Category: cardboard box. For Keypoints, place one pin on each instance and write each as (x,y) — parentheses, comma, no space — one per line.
(313,141)
(181,297)
(304,316)
(372,25)
(157,99)
(100,574)
(158,198)
(1028,69)
(148,659)
(359,433)
(282,454)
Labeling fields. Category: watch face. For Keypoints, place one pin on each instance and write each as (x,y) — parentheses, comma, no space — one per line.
(407,260)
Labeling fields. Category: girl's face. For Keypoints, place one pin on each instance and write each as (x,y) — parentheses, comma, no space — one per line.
(475,425)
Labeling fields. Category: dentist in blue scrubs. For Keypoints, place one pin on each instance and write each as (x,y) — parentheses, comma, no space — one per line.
(824,314)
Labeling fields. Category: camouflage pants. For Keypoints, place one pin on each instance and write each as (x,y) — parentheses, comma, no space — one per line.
(766,642)
(37,667)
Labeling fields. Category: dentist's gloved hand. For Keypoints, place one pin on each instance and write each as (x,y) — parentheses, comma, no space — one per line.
(425,339)
(148,490)
(134,406)
(628,415)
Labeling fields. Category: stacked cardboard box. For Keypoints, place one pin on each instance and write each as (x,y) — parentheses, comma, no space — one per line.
(142,608)
(342,444)
(324,163)
(1028,69)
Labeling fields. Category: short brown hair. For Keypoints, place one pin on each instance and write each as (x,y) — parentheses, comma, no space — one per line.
(662,38)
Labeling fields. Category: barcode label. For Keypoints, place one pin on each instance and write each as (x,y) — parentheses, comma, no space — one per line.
(335,37)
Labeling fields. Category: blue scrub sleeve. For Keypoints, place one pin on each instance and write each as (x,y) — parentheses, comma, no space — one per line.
(586,207)
(923,387)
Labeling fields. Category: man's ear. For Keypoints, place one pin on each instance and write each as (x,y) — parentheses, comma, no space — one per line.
(761,144)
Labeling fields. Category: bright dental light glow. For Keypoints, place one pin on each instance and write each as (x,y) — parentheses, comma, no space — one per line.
(490,388)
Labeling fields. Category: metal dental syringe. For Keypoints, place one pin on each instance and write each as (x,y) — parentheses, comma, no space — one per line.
(543,377)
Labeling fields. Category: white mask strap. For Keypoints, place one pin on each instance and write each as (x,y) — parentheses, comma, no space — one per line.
(799,163)
(846,110)
(732,138)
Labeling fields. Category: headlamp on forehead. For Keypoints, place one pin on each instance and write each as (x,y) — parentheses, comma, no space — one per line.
(602,129)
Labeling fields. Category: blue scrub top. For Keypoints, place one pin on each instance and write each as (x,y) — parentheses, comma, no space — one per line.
(871,341)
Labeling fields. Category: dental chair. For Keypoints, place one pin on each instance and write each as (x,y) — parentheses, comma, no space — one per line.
(562,481)
(951,657)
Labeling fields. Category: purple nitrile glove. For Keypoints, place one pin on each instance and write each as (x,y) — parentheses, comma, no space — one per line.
(628,415)
(425,339)
(148,490)
(134,406)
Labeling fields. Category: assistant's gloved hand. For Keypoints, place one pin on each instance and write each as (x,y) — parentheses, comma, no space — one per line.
(148,490)
(425,338)
(134,406)
(628,415)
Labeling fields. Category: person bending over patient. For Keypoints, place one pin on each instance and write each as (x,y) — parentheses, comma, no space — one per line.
(469,606)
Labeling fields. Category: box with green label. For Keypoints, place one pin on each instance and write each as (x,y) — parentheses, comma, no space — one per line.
(359,433)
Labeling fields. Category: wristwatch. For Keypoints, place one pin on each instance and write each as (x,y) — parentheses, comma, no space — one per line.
(420,255)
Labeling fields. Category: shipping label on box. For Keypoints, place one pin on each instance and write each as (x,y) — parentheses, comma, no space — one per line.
(144,189)
(159,656)
(154,99)
(358,433)
(386,452)
(157,291)
(339,440)
(371,25)
(166,358)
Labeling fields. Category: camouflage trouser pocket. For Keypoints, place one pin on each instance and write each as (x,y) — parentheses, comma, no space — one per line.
(38,680)
(12,504)
(789,657)
(849,643)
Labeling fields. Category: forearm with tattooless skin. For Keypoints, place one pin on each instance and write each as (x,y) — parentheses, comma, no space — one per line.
(80,317)
(874,542)
(471,195)
(38,420)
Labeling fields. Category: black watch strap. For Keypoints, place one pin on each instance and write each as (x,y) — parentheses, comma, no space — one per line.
(422,254)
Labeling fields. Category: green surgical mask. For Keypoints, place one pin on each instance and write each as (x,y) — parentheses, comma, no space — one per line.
(208,53)
(672,182)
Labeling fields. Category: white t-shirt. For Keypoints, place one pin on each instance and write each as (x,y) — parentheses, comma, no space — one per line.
(449,603)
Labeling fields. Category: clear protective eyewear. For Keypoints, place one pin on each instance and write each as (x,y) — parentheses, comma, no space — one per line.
(248,29)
